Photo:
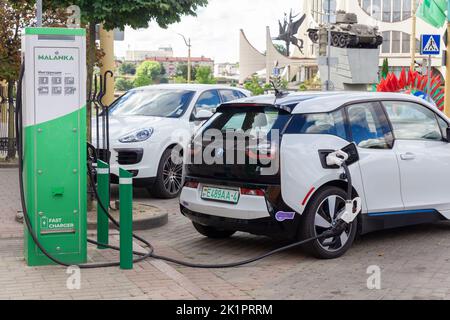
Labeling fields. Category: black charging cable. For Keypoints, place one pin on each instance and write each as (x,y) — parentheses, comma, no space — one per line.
(142,256)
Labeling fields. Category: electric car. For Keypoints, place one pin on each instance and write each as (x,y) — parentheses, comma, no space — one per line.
(400,167)
(147,123)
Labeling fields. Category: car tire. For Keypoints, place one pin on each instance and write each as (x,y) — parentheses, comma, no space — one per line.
(212,232)
(316,219)
(169,179)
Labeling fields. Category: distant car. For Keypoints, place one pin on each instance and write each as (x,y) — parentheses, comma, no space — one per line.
(142,123)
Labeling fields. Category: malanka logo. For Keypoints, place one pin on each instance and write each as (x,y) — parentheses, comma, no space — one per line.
(55,57)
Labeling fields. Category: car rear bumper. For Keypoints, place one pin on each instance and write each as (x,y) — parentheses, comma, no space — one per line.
(252,214)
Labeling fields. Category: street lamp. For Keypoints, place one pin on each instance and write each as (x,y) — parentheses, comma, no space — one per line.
(188,44)
(39,12)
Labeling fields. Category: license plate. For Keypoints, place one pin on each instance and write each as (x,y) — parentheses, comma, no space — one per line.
(220,194)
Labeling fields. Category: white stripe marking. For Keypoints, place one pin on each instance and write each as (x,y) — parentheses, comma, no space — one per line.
(102,171)
(126,181)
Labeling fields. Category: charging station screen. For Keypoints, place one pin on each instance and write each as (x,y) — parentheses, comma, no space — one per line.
(57,82)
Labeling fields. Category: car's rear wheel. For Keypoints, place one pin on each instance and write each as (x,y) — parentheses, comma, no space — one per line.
(212,232)
(323,211)
(169,180)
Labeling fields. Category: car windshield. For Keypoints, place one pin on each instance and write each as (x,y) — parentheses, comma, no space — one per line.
(164,103)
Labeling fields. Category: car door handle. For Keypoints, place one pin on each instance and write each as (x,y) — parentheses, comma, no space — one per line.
(408,156)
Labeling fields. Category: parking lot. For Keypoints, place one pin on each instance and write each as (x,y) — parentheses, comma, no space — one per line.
(414,263)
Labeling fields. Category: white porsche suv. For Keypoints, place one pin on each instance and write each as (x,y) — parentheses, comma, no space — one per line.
(401,169)
(147,122)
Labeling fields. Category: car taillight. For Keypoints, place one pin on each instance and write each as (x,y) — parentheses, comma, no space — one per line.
(191,184)
(252,192)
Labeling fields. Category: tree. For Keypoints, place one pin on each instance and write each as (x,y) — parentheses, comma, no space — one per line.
(182,71)
(14,17)
(254,86)
(203,74)
(281,48)
(127,68)
(123,84)
(147,73)
(119,13)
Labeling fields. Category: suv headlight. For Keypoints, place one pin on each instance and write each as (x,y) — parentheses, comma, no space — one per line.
(137,136)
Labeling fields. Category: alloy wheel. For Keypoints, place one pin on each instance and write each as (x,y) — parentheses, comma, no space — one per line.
(172,176)
(327,215)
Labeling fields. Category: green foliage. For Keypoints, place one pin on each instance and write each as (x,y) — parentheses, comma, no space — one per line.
(179,79)
(302,87)
(204,75)
(385,68)
(147,73)
(123,84)
(127,68)
(254,86)
(133,13)
(182,71)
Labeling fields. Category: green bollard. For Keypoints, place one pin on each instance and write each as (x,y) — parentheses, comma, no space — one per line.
(126,219)
(103,194)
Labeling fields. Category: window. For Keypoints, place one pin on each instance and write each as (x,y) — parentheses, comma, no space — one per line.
(230,95)
(152,103)
(396,11)
(406,43)
(255,121)
(386,47)
(387,10)
(208,100)
(412,121)
(406,9)
(319,123)
(395,42)
(369,127)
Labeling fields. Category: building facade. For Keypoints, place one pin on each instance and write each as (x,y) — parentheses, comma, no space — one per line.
(171,64)
(141,55)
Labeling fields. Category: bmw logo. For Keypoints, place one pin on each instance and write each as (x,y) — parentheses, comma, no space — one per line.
(219,153)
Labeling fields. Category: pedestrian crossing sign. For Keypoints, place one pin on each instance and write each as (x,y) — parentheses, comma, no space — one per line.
(430,44)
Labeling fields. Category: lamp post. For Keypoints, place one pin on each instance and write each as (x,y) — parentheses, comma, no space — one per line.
(188,44)
(39,13)
(413,34)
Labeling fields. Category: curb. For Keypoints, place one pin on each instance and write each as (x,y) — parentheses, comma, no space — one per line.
(156,221)
(7,165)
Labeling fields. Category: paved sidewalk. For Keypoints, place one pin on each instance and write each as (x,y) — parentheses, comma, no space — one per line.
(414,264)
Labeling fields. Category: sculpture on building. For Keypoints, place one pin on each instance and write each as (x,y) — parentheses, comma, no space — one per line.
(348,33)
(288,31)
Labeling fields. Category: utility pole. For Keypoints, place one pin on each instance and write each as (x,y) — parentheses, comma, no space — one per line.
(413,34)
(39,12)
(447,66)
(189,64)
(108,64)
(328,87)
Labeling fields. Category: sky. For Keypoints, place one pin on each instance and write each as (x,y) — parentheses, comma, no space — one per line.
(215,31)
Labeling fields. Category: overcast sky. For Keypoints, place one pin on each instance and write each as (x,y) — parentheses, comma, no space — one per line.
(215,30)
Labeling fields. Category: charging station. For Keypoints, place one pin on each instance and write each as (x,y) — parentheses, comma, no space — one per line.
(54,143)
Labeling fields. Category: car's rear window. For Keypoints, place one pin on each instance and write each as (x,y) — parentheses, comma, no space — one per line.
(251,120)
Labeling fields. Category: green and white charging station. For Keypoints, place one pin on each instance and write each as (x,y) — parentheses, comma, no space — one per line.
(54,143)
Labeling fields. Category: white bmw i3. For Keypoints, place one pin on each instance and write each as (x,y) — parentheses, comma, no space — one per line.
(280,185)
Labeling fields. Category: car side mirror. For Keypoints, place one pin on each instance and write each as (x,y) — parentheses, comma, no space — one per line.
(203,115)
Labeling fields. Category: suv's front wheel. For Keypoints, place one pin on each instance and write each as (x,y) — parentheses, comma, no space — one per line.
(169,180)
(323,211)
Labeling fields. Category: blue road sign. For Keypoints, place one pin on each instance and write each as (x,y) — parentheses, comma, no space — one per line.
(430,44)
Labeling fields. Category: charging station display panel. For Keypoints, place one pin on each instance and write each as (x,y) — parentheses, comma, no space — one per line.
(57,82)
